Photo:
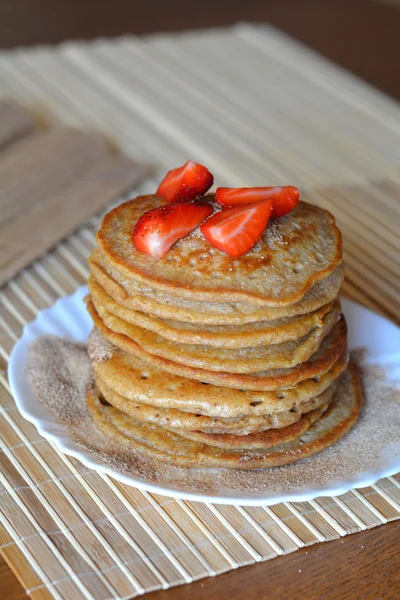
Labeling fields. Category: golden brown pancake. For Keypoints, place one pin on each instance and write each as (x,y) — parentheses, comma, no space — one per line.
(185,421)
(169,447)
(257,441)
(320,362)
(137,381)
(242,360)
(219,336)
(160,304)
(296,252)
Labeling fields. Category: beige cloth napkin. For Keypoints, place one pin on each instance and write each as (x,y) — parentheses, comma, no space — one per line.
(51,182)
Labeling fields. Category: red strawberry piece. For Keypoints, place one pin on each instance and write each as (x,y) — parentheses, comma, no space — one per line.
(185,183)
(237,229)
(159,228)
(284,198)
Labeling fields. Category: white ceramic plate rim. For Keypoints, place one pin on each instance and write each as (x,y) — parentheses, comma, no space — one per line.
(367,329)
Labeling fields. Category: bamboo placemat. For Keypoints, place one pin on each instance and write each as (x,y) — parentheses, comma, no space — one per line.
(256,108)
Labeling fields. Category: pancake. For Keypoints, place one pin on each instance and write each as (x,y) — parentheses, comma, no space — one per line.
(160,304)
(168,447)
(320,362)
(139,382)
(218,336)
(257,441)
(296,252)
(185,421)
(203,360)
(242,360)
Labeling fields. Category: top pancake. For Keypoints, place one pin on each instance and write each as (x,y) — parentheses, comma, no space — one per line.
(295,252)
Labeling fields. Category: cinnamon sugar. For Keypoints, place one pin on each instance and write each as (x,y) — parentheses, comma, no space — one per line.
(272,235)
(99,349)
(59,371)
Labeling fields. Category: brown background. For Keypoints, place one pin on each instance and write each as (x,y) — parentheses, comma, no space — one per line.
(363,37)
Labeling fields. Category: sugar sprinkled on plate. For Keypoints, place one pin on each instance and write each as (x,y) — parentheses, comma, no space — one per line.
(59,371)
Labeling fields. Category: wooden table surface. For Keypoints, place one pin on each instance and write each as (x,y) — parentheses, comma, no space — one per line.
(360,35)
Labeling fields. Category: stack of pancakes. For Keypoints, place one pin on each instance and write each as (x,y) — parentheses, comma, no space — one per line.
(200,359)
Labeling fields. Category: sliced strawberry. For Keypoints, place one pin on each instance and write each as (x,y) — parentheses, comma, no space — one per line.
(237,229)
(185,183)
(159,228)
(284,198)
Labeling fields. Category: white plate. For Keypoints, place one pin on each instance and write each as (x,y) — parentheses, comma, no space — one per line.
(68,318)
